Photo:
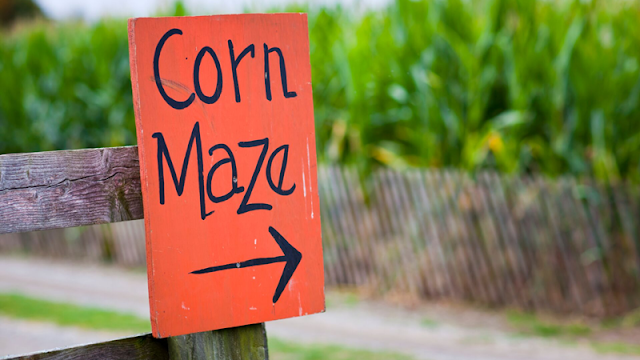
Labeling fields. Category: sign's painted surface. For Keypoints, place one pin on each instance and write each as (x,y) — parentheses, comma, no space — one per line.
(224,115)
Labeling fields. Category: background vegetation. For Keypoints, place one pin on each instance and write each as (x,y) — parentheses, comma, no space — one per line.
(517,86)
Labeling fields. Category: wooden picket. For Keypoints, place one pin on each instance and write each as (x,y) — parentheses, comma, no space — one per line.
(530,242)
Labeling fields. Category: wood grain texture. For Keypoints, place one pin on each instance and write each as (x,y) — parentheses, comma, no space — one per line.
(69,188)
(142,347)
(240,343)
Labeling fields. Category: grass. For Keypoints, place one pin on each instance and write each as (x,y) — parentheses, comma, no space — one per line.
(342,298)
(429,323)
(282,350)
(23,307)
(630,320)
(617,348)
(532,324)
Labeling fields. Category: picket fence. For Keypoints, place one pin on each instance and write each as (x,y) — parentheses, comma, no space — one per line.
(561,245)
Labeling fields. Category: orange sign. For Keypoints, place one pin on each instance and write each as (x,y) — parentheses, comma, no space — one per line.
(224,114)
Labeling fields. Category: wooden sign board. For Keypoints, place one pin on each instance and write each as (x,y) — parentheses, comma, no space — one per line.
(224,115)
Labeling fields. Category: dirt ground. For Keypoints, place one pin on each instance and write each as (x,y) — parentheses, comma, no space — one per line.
(432,331)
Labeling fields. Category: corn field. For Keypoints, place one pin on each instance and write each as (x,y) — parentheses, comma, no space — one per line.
(519,87)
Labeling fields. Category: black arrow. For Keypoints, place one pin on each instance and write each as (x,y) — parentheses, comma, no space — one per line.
(291,258)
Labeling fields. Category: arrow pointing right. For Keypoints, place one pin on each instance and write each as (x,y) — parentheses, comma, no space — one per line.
(291,257)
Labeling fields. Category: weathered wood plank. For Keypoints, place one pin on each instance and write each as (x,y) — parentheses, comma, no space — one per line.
(142,347)
(245,342)
(239,343)
(57,189)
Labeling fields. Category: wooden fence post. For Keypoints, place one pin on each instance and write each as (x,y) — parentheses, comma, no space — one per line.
(240,343)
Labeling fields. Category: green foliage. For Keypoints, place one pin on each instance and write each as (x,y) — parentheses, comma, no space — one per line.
(65,86)
(24,307)
(517,86)
(510,85)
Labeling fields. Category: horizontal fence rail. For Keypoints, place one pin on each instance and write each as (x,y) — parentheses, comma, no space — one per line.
(526,242)
(63,189)
(58,189)
(239,343)
(141,347)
